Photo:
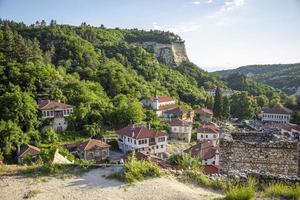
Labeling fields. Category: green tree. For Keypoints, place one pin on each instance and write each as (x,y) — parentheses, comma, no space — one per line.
(50,136)
(19,107)
(243,106)
(262,100)
(296,117)
(11,137)
(93,129)
(226,108)
(209,103)
(218,104)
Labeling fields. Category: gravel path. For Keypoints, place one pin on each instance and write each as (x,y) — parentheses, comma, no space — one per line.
(93,185)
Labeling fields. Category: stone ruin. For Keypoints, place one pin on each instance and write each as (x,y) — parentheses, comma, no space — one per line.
(260,153)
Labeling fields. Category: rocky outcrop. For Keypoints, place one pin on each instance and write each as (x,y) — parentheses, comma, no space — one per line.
(171,54)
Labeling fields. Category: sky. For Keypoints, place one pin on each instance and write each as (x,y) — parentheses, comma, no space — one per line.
(219,34)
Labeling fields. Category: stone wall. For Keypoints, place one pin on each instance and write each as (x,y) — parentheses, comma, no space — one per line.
(170,54)
(258,152)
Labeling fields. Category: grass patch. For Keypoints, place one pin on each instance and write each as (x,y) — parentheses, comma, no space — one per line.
(240,191)
(282,190)
(136,170)
(55,170)
(31,194)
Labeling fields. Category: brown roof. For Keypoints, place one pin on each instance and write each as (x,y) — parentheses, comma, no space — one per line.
(204,111)
(178,111)
(51,105)
(136,132)
(88,145)
(204,150)
(204,129)
(27,149)
(211,169)
(163,99)
(168,107)
(179,122)
(277,110)
(290,126)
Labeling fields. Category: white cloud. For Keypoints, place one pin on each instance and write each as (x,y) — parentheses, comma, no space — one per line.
(231,4)
(209,1)
(196,2)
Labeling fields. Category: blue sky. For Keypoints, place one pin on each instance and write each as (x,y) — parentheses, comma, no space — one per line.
(219,34)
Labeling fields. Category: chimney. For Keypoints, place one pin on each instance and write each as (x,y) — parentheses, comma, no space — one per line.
(132,134)
(58,100)
(149,125)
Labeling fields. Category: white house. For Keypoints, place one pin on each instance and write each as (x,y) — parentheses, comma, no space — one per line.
(206,114)
(133,137)
(277,114)
(225,92)
(180,129)
(208,131)
(158,101)
(57,111)
(206,151)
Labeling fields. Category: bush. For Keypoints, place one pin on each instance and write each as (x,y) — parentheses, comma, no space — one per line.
(135,170)
(185,161)
(282,190)
(50,136)
(242,192)
(31,194)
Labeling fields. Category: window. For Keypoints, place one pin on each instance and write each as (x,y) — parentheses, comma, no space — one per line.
(157,147)
(162,146)
(68,111)
(65,112)
(206,136)
(104,153)
(201,136)
(48,113)
(134,141)
(161,139)
(52,113)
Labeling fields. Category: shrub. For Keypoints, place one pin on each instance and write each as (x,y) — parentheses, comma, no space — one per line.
(241,192)
(282,190)
(185,161)
(31,194)
(50,136)
(135,170)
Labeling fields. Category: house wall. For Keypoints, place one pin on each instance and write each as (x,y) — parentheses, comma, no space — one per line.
(214,137)
(154,148)
(181,133)
(260,155)
(278,118)
(97,154)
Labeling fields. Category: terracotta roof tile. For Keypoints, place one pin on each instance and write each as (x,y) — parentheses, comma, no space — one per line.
(162,99)
(88,145)
(51,104)
(140,132)
(211,169)
(204,150)
(27,149)
(179,122)
(277,110)
(204,111)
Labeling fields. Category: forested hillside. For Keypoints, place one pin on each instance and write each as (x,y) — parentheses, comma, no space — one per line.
(282,76)
(98,70)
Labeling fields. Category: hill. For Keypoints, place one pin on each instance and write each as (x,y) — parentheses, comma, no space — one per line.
(282,76)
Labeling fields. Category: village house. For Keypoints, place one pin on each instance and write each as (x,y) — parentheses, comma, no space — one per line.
(208,131)
(180,129)
(206,114)
(91,149)
(57,111)
(206,151)
(179,112)
(133,137)
(27,151)
(278,114)
(225,92)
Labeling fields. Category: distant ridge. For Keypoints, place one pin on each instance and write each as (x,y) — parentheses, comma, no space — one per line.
(282,76)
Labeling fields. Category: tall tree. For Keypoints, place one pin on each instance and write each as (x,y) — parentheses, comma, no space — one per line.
(243,106)
(226,108)
(218,104)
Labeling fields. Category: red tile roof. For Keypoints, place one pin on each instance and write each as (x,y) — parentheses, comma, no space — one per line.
(140,132)
(277,110)
(88,145)
(27,150)
(162,99)
(179,122)
(211,169)
(204,150)
(208,127)
(167,107)
(51,105)
(204,111)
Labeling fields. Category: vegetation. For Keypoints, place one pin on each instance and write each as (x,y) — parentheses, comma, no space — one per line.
(282,76)
(218,104)
(31,194)
(185,161)
(136,170)
(243,106)
(280,190)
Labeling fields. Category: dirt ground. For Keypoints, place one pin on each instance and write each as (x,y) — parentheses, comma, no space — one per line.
(94,185)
